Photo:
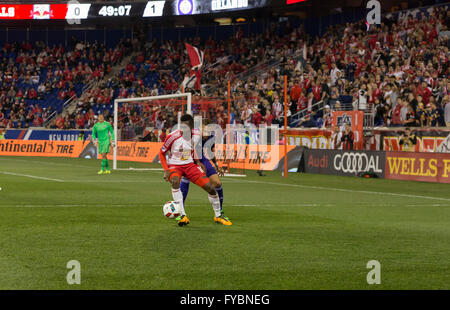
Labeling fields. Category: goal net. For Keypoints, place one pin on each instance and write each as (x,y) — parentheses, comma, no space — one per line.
(138,121)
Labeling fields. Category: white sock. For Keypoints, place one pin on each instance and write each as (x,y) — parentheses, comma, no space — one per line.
(215,202)
(178,197)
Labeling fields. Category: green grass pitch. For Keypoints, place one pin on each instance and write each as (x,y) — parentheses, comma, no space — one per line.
(303,232)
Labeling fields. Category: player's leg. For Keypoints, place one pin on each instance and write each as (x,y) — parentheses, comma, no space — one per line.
(215,180)
(102,170)
(107,149)
(107,170)
(175,180)
(213,176)
(184,187)
(197,176)
(103,150)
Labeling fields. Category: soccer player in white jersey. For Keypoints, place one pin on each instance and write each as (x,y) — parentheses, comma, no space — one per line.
(183,162)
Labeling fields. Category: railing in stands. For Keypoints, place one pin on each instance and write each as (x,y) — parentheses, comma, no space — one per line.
(258,69)
(298,117)
(270,64)
(67,103)
(368,121)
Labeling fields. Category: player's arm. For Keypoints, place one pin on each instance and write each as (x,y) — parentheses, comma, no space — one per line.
(111,132)
(162,159)
(197,160)
(162,155)
(94,134)
(219,170)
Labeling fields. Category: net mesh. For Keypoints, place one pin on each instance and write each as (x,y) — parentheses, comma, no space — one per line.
(151,119)
(137,120)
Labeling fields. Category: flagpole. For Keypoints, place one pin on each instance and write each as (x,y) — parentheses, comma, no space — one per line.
(228,138)
(285,127)
(229,101)
(182,103)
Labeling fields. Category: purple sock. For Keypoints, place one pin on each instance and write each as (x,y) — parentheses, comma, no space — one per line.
(219,191)
(184,186)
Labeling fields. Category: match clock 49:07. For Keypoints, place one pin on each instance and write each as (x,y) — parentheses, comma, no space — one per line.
(110,10)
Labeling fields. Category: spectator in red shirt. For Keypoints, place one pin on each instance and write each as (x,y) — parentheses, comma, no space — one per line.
(268,117)
(80,121)
(256,117)
(32,93)
(296,90)
(347,138)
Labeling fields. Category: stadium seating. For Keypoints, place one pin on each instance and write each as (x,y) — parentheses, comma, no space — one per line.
(391,61)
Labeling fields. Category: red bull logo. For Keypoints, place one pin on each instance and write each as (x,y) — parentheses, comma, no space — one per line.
(41,11)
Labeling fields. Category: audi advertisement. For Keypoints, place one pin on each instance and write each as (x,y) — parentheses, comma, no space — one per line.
(350,163)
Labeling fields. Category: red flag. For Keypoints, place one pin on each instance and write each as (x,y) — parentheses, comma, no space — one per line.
(196,56)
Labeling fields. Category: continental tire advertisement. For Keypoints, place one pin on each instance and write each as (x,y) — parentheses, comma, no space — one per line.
(351,163)
(137,151)
(255,157)
(84,149)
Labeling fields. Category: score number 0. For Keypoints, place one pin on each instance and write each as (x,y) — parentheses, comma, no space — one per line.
(76,10)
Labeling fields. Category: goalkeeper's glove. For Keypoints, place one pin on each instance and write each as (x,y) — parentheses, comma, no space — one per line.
(113,143)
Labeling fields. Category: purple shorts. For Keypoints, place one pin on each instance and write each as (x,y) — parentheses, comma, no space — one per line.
(210,170)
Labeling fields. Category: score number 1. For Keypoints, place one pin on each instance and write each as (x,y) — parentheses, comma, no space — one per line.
(154,8)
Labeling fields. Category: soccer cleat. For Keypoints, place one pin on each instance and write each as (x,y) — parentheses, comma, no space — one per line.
(101,172)
(182,220)
(224,220)
(107,172)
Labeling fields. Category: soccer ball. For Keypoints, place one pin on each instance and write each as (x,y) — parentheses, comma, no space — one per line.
(172,209)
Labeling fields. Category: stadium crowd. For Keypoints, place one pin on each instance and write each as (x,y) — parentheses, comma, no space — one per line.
(35,79)
(396,72)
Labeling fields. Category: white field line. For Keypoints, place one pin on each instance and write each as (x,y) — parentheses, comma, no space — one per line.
(235,175)
(101,181)
(346,190)
(141,205)
(31,176)
(140,169)
(195,206)
(46,163)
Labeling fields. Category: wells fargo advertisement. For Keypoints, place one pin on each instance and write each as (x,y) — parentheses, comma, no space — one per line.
(428,167)
(43,148)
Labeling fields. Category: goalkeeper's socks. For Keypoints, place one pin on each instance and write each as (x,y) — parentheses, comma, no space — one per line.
(184,187)
(215,202)
(103,164)
(107,164)
(219,191)
(178,197)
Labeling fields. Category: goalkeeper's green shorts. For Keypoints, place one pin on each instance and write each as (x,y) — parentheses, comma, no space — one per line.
(103,147)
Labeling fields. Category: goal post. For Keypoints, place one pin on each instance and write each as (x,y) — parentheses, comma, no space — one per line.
(161,100)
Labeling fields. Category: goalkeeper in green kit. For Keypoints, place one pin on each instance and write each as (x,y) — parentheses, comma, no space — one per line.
(103,135)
